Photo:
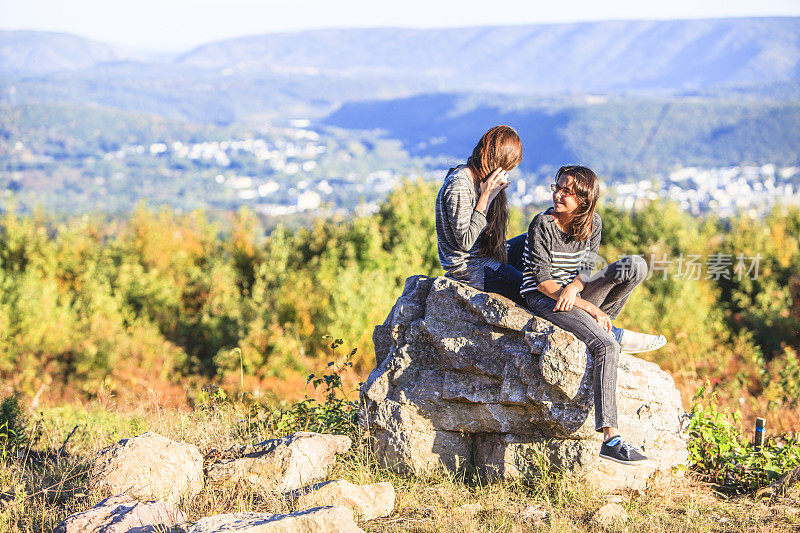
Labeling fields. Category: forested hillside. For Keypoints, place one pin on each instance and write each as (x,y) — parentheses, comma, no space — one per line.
(620,137)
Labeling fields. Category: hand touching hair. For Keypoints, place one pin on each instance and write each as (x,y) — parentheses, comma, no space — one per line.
(500,147)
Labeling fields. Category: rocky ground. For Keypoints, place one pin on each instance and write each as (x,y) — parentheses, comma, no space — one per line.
(41,492)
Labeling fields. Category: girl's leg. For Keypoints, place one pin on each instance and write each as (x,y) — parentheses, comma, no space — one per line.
(609,291)
(610,288)
(506,280)
(516,249)
(601,345)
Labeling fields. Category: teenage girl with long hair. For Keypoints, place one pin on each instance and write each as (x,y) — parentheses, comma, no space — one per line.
(472,214)
(559,253)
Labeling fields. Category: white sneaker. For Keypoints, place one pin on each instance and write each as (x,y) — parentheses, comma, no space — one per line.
(635,342)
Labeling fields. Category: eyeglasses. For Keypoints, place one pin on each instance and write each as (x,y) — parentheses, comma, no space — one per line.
(566,192)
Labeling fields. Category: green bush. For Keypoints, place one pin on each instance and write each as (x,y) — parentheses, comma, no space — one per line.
(719,454)
(13,427)
(337,413)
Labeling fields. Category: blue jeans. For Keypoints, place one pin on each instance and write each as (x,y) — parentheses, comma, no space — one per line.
(507,279)
(609,290)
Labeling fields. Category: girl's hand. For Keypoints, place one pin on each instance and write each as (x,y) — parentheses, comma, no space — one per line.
(567,298)
(602,318)
(494,183)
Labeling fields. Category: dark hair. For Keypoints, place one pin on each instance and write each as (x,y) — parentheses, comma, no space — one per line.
(587,190)
(500,147)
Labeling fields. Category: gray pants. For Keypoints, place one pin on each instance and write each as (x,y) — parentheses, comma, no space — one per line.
(608,290)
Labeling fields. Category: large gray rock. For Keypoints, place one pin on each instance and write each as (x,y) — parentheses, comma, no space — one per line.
(367,501)
(149,467)
(471,381)
(123,514)
(319,520)
(280,465)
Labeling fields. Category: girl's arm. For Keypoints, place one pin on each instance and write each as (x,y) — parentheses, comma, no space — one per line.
(491,187)
(569,296)
(466,222)
(552,289)
(555,291)
(536,254)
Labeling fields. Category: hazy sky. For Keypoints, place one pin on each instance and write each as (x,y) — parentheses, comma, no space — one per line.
(173,25)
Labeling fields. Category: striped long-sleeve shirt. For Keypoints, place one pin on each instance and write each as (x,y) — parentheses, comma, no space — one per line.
(458,228)
(552,254)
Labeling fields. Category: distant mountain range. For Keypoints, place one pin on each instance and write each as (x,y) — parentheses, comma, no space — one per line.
(552,58)
(619,136)
(37,52)
(580,57)
(633,97)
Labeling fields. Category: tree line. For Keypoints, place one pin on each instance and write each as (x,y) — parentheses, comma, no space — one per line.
(167,301)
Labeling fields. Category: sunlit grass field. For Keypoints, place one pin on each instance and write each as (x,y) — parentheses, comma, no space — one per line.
(47,481)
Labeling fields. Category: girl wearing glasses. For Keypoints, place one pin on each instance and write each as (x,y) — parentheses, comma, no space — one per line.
(472,214)
(559,253)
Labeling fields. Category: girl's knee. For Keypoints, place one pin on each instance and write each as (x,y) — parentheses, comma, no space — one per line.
(611,347)
(605,348)
(635,268)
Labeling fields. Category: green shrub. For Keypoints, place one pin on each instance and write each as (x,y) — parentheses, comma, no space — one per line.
(719,454)
(13,427)
(782,378)
(337,413)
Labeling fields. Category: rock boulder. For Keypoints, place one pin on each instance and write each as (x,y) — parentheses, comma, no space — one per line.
(149,467)
(279,465)
(123,514)
(319,520)
(367,501)
(471,381)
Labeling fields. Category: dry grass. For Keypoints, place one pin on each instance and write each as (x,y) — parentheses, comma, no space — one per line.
(41,489)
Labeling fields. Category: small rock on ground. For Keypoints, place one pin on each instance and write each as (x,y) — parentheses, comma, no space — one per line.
(122,514)
(280,465)
(319,520)
(469,509)
(149,467)
(533,515)
(367,501)
(609,514)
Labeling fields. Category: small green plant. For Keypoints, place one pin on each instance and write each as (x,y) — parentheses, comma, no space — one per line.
(336,414)
(13,427)
(719,454)
(211,397)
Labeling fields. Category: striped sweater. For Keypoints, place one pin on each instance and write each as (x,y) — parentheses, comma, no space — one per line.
(458,228)
(552,254)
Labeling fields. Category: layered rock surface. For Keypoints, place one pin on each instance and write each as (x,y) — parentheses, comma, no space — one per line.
(319,520)
(470,380)
(280,465)
(123,514)
(367,501)
(149,467)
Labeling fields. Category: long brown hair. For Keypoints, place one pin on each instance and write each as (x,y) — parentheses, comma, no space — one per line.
(587,190)
(500,147)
